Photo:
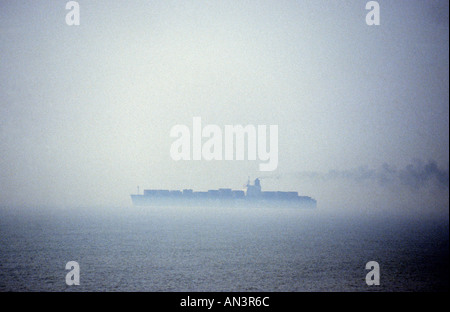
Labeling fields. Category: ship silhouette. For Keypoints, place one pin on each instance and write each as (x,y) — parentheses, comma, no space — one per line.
(252,196)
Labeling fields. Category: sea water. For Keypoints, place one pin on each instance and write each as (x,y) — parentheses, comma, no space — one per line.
(219,249)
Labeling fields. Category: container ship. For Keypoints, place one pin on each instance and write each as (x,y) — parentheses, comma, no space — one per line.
(252,196)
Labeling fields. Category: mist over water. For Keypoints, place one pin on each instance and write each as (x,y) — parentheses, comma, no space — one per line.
(220,249)
(362,120)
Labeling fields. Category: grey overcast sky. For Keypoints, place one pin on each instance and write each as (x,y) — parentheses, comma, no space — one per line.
(86,111)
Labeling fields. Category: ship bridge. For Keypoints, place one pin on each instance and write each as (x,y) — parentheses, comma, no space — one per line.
(254,190)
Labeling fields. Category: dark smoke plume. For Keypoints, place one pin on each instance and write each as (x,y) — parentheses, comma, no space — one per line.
(415,175)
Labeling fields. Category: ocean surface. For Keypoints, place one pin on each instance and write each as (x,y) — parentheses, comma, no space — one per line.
(219,249)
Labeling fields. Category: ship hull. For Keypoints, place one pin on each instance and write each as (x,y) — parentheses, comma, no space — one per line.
(299,202)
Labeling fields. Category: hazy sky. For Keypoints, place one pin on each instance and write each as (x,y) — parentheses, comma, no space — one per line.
(86,111)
